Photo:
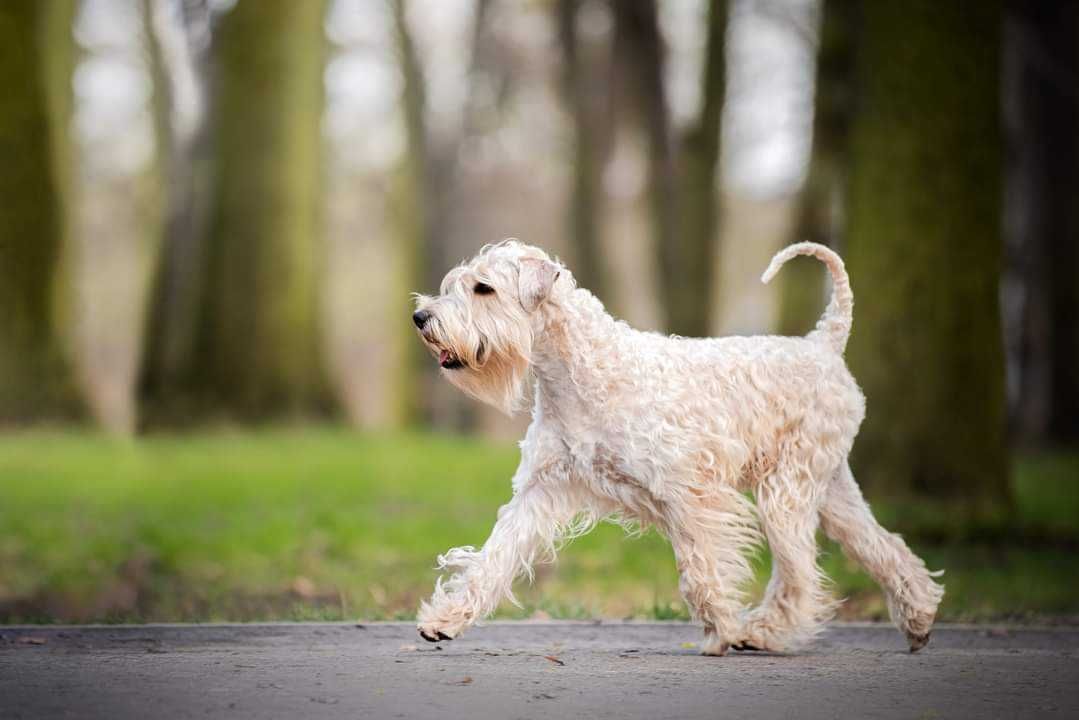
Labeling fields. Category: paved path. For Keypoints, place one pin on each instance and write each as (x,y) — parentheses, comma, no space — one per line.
(527,670)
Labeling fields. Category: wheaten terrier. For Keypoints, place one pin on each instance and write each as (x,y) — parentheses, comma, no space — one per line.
(668,432)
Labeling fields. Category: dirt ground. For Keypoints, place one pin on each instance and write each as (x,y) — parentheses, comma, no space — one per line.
(527,670)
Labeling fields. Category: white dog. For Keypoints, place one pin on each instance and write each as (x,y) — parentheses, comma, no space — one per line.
(667,432)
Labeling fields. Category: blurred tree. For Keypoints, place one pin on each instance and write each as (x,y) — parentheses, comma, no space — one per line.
(1042,223)
(689,255)
(413,203)
(586,69)
(642,118)
(256,346)
(802,283)
(36,60)
(636,216)
(924,253)
(179,63)
(616,93)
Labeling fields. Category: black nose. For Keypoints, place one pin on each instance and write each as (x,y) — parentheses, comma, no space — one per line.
(420,317)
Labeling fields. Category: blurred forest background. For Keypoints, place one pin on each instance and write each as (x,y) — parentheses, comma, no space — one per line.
(212,401)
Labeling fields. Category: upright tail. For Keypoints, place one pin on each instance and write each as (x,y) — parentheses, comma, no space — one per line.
(834,325)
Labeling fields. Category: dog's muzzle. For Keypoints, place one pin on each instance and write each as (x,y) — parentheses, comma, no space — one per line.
(446,358)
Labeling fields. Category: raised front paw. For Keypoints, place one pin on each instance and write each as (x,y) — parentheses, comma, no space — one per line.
(431,633)
(444,620)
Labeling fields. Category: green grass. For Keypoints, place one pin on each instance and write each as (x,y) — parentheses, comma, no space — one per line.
(325,524)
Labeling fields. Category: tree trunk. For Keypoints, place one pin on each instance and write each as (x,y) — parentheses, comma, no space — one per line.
(36,52)
(690,259)
(413,203)
(1060,23)
(802,282)
(1042,225)
(924,253)
(641,110)
(184,144)
(586,87)
(257,346)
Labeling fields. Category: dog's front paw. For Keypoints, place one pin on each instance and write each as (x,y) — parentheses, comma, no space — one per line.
(445,620)
(431,634)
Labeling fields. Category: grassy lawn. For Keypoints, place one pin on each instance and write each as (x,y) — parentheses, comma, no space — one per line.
(325,524)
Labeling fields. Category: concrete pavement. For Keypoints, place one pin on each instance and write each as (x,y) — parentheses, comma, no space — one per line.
(527,670)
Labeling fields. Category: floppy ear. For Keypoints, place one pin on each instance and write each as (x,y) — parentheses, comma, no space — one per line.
(536,280)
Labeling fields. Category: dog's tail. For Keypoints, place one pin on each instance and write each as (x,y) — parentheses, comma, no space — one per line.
(834,325)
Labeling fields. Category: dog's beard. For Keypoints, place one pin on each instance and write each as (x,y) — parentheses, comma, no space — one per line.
(501,380)
(484,351)
(491,369)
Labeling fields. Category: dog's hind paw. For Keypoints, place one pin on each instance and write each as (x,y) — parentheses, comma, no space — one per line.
(917,642)
(714,645)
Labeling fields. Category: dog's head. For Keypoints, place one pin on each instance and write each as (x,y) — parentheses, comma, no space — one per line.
(482,325)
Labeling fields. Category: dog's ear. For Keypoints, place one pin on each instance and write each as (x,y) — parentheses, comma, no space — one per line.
(536,280)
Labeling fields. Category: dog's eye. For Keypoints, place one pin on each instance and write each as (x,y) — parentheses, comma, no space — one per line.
(483,289)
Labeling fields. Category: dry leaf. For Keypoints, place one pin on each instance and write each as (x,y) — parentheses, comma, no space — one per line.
(553,659)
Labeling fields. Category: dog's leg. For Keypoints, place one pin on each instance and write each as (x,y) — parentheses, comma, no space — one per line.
(912,594)
(710,540)
(795,603)
(527,528)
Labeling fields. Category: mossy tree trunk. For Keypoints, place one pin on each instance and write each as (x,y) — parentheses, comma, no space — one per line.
(924,253)
(36,51)
(256,348)
(802,282)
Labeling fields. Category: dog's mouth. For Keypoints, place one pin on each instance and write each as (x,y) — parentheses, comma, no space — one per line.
(448,360)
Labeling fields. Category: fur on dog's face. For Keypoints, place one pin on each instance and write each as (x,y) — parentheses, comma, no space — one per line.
(482,324)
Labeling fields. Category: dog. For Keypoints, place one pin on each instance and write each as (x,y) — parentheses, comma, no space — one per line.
(667,432)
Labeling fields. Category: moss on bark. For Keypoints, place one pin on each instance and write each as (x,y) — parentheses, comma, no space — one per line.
(924,253)
(257,350)
(35,54)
